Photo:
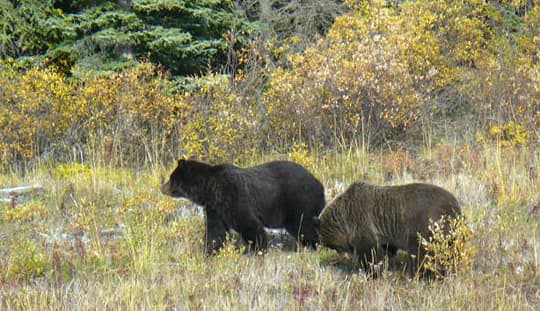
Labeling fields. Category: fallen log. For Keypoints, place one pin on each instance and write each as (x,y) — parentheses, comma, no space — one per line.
(11,194)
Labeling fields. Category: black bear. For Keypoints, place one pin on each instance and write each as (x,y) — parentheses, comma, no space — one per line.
(372,221)
(278,194)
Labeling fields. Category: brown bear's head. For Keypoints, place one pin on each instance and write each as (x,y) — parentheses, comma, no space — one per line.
(331,233)
(185,178)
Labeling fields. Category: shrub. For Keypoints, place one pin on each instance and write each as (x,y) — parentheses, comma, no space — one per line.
(127,117)
(351,84)
(27,262)
(509,134)
(222,125)
(449,248)
(382,68)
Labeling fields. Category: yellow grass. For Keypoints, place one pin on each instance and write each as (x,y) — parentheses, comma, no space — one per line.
(105,238)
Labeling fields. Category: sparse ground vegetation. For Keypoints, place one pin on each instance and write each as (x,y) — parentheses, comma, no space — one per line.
(103,237)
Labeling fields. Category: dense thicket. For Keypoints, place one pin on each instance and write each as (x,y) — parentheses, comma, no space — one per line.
(383,72)
(382,69)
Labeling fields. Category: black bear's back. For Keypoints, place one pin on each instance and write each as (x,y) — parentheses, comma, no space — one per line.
(301,197)
(291,177)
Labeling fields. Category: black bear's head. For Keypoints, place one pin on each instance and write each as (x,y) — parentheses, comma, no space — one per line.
(186,178)
(174,186)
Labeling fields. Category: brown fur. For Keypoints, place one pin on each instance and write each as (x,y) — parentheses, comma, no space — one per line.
(373,221)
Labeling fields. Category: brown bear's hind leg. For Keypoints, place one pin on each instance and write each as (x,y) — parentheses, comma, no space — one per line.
(415,262)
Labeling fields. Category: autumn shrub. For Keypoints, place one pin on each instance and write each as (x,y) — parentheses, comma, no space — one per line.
(449,249)
(352,84)
(222,124)
(35,111)
(384,67)
(124,117)
(131,116)
(507,134)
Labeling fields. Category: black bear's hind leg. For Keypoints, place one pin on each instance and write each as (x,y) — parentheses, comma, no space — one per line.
(255,236)
(302,229)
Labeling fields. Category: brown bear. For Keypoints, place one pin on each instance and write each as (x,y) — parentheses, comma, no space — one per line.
(277,194)
(372,221)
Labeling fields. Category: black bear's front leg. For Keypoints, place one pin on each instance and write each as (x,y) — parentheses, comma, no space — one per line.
(216,232)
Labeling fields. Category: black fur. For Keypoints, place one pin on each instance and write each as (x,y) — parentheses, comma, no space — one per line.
(277,194)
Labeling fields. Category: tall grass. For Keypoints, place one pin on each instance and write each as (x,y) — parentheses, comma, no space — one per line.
(99,237)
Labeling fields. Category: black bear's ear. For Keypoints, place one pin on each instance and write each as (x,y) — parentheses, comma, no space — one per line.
(181,162)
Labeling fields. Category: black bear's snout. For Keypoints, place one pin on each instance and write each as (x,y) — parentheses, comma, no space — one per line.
(166,188)
(172,190)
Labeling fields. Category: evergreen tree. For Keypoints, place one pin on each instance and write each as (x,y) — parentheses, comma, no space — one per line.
(186,37)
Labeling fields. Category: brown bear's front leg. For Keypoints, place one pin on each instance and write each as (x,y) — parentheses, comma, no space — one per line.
(371,259)
(216,232)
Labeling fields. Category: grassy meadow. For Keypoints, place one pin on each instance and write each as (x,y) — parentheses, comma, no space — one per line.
(98,99)
(99,237)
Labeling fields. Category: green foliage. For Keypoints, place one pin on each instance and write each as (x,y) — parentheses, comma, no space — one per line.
(185,37)
(63,171)
(25,28)
(27,261)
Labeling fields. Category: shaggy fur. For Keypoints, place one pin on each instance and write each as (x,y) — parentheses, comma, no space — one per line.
(373,221)
(277,194)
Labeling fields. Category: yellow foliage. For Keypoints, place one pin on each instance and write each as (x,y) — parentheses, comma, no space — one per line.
(222,125)
(300,154)
(63,171)
(33,210)
(231,250)
(509,134)
(449,248)
(381,66)
(378,70)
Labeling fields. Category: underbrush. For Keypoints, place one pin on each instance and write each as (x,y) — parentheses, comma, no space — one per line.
(106,238)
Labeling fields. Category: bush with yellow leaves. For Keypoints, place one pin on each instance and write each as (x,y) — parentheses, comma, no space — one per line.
(127,118)
(449,248)
(383,67)
(222,125)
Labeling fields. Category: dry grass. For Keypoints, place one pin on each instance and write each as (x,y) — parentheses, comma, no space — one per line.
(105,238)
